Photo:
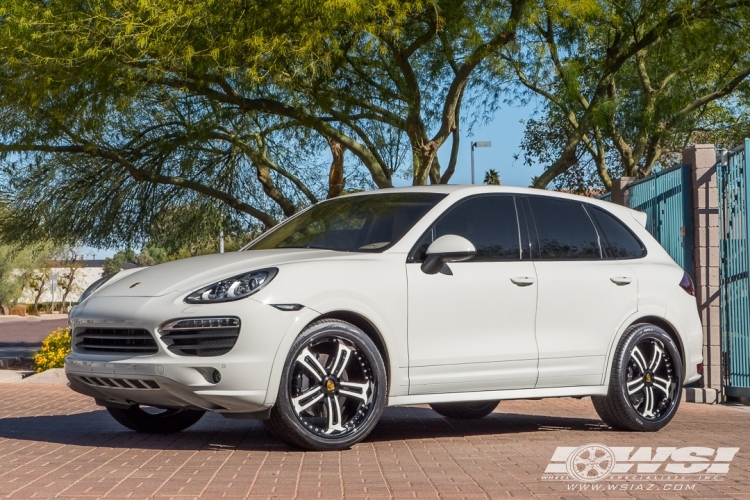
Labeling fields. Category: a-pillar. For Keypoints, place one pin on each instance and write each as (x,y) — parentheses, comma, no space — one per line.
(702,159)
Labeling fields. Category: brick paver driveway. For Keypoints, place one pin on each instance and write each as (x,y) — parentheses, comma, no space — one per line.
(54,443)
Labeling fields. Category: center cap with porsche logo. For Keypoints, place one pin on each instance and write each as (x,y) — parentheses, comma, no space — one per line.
(330,385)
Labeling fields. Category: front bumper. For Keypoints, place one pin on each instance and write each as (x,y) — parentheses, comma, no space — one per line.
(169,380)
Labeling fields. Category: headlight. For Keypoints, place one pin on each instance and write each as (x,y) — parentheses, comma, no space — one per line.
(234,288)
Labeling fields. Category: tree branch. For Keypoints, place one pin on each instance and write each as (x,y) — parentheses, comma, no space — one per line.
(142,175)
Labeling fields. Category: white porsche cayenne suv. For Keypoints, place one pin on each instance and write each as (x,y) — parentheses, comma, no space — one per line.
(455,296)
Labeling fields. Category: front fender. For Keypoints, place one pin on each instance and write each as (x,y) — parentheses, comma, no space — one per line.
(397,365)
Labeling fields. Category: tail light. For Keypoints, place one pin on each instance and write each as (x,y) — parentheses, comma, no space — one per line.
(687,284)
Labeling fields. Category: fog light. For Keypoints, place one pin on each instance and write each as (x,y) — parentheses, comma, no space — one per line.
(216,377)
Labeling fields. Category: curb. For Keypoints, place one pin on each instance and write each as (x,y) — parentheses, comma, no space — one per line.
(700,395)
(54,376)
(6,363)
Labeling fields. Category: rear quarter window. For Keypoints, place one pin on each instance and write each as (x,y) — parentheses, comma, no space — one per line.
(621,243)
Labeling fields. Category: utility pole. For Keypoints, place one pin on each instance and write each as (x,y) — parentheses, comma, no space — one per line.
(221,241)
(480,144)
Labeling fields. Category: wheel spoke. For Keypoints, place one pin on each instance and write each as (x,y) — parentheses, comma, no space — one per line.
(636,382)
(663,385)
(310,397)
(600,469)
(648,409)
(342,358)
(359,391)
(311,363)
(334,415)
(656,360)
(637,356)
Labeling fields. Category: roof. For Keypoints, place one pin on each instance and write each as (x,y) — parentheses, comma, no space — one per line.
(462,190)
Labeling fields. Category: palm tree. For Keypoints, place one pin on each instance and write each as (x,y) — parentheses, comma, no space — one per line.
(492,178)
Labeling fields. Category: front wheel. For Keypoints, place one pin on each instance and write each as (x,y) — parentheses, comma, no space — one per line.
(468,410)
(333,388)
(646,381)
(156,420)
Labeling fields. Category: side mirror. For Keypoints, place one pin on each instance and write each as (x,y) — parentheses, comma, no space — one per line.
(448,248)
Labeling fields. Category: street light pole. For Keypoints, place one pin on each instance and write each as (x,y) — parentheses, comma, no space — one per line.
(477,144)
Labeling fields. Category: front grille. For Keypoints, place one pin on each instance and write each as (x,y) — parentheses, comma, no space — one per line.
(120,383)
(116,341)
(201,336)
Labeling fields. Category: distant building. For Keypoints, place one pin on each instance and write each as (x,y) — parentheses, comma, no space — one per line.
(88,272)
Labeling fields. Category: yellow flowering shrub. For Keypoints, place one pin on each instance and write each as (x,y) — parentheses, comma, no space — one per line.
(54,349)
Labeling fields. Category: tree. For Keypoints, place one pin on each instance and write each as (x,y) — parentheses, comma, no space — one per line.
(114,264)
(624,85)
(114,112)
(492,178)
(13,266)
(111,266)
(68,278)
(37,284)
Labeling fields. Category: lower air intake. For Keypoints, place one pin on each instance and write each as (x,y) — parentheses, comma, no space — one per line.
(201,336)
(115,341)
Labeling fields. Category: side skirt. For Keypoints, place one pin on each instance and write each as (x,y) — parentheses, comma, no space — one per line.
(556,392)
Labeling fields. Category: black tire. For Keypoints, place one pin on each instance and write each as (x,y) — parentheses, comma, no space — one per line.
(468,410)
(645,385)
(322,368)
(158,421)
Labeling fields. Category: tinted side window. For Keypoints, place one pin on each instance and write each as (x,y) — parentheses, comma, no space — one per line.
(489,222)
(621,242)
(564,229)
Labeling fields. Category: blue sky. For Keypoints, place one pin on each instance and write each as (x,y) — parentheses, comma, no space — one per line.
(505,132)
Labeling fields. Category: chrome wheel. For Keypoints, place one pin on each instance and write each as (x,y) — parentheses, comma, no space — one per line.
(332,387)
(650,380)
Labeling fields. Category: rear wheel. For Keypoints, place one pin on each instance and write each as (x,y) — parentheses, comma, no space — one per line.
(148,419)
(465,410)
(333,388)
(646,381)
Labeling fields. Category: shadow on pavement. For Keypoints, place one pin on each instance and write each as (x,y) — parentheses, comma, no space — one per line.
(98,429)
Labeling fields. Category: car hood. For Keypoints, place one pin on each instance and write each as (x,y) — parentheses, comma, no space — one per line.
(186,275)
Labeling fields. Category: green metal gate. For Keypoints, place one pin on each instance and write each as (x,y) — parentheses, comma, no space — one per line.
(666,199)
(734,258)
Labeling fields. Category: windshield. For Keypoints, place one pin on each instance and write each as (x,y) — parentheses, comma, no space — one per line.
(366,223)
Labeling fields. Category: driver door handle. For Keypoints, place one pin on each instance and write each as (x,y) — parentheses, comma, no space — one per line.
(523,280)
(621,280)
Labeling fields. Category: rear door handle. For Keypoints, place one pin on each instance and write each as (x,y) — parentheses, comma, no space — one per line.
(523,280)
(621,280)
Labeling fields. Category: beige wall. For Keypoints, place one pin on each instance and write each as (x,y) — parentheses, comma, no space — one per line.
(84,277)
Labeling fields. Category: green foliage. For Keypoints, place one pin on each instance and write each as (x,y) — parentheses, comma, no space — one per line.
(114,112)
(11,284)
(19,271)
(492,178)
(623,87)
(54,350)
(114,264)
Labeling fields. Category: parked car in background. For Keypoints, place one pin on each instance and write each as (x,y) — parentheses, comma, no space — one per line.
(456,296)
